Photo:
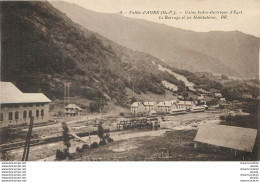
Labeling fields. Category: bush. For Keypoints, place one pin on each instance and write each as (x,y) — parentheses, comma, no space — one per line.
(246,121)
(223,118)
(94,145)
(78,149)
(109,140)
(122,114)
(85,146)
(60,155)
(103,142)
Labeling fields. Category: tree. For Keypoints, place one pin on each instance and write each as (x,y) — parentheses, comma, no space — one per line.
(133,99)
(97,105)
(4,155)
(66,138)
(185,94)
(255,93)
(106,136)
(93,107)
(101,132)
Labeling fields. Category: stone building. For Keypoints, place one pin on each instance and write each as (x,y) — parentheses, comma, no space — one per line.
(150,106)
(185,105)
(164,106)
(137,107)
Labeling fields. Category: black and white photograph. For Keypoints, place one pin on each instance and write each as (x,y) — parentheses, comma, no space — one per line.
(130,80)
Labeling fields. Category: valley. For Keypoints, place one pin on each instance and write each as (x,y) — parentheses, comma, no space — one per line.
(122,90)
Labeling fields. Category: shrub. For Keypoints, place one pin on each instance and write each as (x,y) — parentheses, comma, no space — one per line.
(103,142)
(60,155)
(85,146)
(122,114)
(106,136)
(94,145)
(78,149)
(109,140)
(101,132)
(246,121)
(223,118)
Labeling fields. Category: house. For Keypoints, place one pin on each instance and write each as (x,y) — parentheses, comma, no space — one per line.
(17,107)
(222,99)
(150,106)
(137,107)
(180,97)
(164,106)
(72,110)
(185,105)
(218,95)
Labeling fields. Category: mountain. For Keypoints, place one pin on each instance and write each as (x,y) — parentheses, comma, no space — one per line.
(230,53)
(42,49)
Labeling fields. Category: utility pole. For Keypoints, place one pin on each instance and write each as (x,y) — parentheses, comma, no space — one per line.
(65,93)
(27,142)
(68,92)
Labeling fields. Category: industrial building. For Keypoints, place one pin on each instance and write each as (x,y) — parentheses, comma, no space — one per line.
(17,107)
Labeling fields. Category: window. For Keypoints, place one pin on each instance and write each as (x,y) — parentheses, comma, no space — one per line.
(16,115)
(24,114)
(1,117)
(30,114)
(37,113)
(42,112)
(10,116)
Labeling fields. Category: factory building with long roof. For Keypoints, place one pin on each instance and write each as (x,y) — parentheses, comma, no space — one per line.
(16,107)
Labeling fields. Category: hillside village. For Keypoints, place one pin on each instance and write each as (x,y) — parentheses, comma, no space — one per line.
(173,105)
(79,96)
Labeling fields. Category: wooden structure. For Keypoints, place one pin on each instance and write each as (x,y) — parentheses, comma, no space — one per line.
(138,123)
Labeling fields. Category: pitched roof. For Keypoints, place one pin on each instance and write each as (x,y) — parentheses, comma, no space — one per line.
(149,103)
(218,94)
(166,103)
(173,101)
(227,136)
(135,104)
(184,103)
(73,106)
(10,94)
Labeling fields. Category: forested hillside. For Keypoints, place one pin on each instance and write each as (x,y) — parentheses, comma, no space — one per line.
(42,49)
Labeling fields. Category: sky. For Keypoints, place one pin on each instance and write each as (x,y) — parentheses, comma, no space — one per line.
(247,22)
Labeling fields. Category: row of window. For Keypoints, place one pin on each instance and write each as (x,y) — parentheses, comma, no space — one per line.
(16,114)
(21,105)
